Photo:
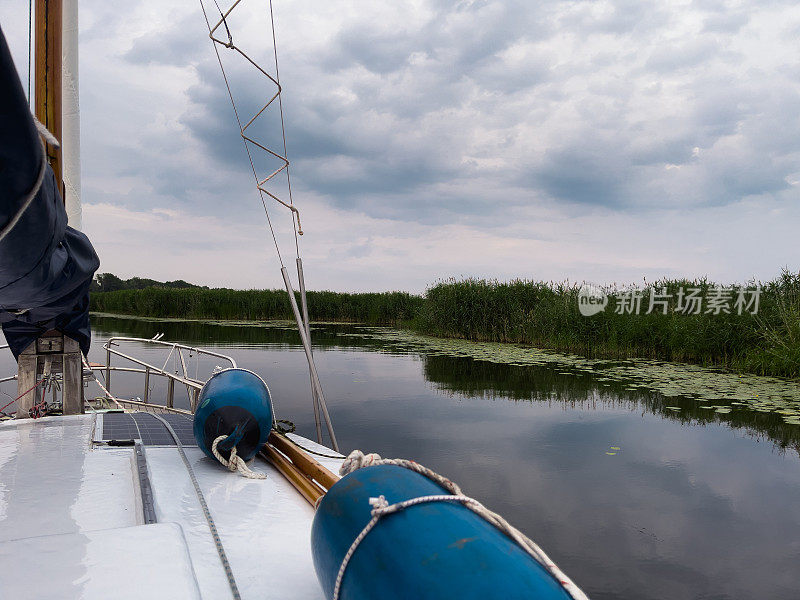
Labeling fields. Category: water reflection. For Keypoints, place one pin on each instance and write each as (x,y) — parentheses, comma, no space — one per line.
(464,376)
(691,505)
(487,379)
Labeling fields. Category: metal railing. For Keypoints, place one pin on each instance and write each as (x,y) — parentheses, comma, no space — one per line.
(176,351)
(181,376)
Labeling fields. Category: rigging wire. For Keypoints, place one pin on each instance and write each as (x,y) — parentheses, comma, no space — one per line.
(249,137)
(283,128)
(239,121)
(231,46)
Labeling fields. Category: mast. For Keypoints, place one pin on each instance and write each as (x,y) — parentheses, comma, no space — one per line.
(44,296)
(70,111)
(47,76)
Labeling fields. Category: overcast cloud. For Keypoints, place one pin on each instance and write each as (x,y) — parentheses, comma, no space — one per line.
(597,140)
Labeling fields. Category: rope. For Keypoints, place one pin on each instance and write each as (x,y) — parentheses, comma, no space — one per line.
(358,460)
(206,512)
(37,384)
(249,138)
(45,133)
(380,507)
(100,385)
(235,463)
(38,410)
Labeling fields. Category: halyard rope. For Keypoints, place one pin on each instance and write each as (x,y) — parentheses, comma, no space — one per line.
(380,507)
(235,463)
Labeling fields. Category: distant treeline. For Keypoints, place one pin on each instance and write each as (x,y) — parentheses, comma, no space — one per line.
(537,313)
(107,282)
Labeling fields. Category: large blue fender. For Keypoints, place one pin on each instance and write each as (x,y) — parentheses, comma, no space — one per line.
(235,403)
(437,550)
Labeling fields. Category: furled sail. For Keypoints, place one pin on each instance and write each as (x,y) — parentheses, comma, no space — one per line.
(45,266)
(71,116)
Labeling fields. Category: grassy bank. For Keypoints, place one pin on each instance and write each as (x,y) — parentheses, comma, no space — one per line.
(528,312)
(255,305)
(547,315)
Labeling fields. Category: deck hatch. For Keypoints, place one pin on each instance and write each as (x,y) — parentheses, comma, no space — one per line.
(131,426)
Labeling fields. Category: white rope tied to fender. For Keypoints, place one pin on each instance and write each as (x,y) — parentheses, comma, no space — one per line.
(235,463)
(380,507)
(357,460)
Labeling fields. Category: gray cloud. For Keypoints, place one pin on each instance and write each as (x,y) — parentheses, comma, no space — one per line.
(451,114)
(685,55)
(371,150)
(629,111)
(177,43)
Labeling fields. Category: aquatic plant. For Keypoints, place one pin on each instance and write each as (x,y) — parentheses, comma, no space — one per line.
(547,315)
(543,314)
(257,305)
(685,391)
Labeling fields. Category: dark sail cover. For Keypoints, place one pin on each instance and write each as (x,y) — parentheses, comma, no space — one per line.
(45,266)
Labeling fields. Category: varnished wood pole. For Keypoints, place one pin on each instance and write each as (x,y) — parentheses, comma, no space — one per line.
(47,75)
(303,461)
(309,490)
(309,477)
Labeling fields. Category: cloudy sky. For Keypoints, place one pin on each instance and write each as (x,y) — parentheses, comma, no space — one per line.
(591,140)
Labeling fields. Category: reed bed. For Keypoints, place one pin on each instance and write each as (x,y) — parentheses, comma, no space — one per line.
(543,314)
(547,315)
(256,305)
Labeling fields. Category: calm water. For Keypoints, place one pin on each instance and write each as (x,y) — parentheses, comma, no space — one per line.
(688,507)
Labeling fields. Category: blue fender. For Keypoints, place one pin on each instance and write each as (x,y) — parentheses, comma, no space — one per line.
(437,550)
(236,403)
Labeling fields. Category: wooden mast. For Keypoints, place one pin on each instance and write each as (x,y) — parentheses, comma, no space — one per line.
(53,352)
(47,76)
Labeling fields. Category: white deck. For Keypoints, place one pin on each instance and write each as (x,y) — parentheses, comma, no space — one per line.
(55,482)
(124,564)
